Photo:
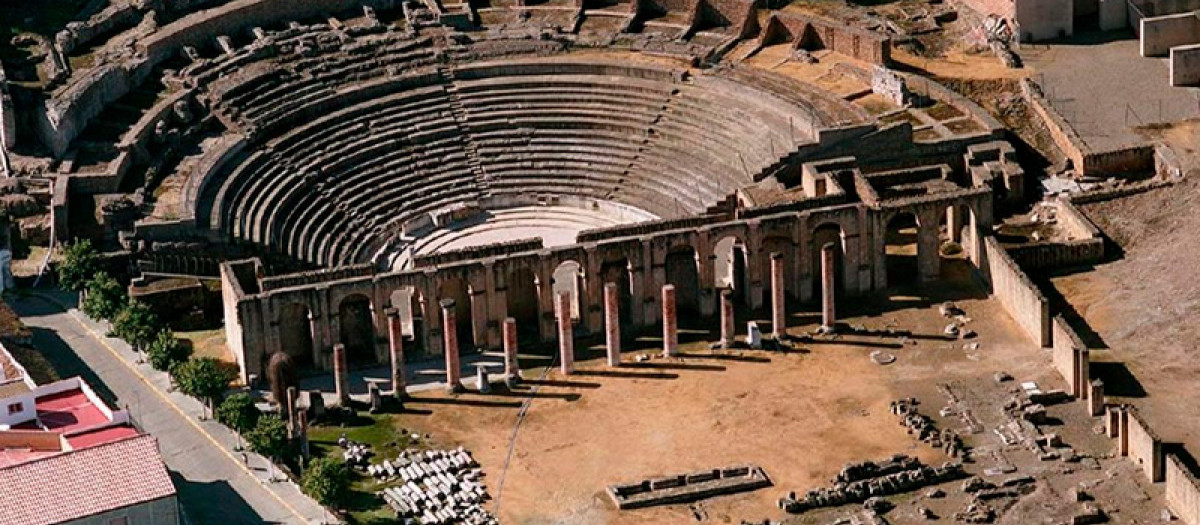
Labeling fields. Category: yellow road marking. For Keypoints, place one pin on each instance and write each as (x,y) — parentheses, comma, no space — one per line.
(189,419)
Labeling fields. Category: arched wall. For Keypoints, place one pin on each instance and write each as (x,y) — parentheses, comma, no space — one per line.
(863,270)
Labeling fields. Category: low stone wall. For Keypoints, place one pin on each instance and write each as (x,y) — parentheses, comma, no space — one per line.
(1037,256)
(1071,358)
(1022,299)
(333,274)
(1183,490)
(65,116)
(115,17)
(1145,447)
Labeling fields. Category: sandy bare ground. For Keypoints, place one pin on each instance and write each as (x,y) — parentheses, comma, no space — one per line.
(799,415)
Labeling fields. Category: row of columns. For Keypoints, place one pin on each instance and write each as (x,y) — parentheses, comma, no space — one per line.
(566,340)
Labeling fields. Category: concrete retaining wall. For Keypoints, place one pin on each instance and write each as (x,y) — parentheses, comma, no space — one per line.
(1183,491)
(1185,65)
(1017,294)
(1160,33)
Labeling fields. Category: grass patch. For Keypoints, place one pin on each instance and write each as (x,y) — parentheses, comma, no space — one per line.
(208,343)
(379,431)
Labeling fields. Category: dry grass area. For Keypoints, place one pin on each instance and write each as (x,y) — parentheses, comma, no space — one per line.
(800,415)
(208,343)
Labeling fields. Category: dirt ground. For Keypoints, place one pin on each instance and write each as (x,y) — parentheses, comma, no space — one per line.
(801,415)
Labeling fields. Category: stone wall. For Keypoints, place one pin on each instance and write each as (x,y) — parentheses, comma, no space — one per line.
(64,117)
(1066,254)
(1160,33)
(204,26)
(8,117)
(116,17)
(1071,358)
(812,33)
(1183,490)
(1006,9)
(1185,65)
(1145,447)
(1022,299)
(1113,14)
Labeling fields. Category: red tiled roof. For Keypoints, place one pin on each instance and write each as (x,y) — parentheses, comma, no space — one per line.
(68,411)
(84,482)
(101,436)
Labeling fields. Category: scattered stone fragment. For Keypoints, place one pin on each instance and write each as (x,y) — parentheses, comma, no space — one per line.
(1002,377)
(882,358)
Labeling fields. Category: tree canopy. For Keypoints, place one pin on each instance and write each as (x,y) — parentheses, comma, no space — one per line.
(204,378)
(239,413)
(165,351)
(105,297)
(327,480)
(79,264)
(136,324)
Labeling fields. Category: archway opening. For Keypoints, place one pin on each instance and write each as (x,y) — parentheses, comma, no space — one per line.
(683,271)
(295,334)
(828,234)
(901,250)
(357,330)
(618,272)
(568,277)
(458,290)
(729,268)
(410,308)
(521,302)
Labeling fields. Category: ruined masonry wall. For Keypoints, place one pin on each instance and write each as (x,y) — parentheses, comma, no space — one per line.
(1183,491)
(1017,294)
(1070,356)
(1159,34)
(1145,447)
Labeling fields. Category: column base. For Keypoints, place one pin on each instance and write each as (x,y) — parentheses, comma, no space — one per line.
(455,388)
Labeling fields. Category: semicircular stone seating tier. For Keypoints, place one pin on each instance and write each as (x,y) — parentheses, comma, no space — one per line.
(335,189)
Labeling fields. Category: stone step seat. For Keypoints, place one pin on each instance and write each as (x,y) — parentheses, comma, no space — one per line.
(586,153)
(228,194)
(614,148)
(561,88)
(396,158)
(504,218)
(563,96)
(579,123)
(723,148)
(421,129)
(432,192)
(567,102)
(468,88)
(632,116)
(326,129)
(289,101)
(734,129)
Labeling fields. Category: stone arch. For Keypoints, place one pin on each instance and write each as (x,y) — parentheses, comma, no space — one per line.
(295,333)
(521,303)
(357,328)
(731,267)
(824,233)
(459,290)
(682,269)
(902,248)
(568,277)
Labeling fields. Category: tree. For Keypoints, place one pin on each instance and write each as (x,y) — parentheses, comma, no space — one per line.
(327,480)
(136,324)
(239,413)
(80,262)
(269,437)
(165,351)
(205,379)
(105,297)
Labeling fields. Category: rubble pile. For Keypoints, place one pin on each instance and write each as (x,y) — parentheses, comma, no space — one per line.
(438,487)
(859,482)
(355,454)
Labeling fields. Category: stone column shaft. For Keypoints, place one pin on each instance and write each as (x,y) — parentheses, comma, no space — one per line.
(778,288)
(612,323)
(341,375)
(670,321)
(828,286)
(566,336)
(512,367)
(396,351)
(450,342)
(727,322)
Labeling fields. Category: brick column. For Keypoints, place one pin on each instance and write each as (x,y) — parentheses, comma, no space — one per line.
(566,337)
(728,331)
(512,367)
(396,352)
(450,343)
(778,288)
(828,287)
(669,321)
(612,323)
(341,376)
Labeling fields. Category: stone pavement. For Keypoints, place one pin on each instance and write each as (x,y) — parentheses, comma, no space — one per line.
(215,487)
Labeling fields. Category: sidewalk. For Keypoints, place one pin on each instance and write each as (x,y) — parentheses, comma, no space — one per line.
(199,451)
